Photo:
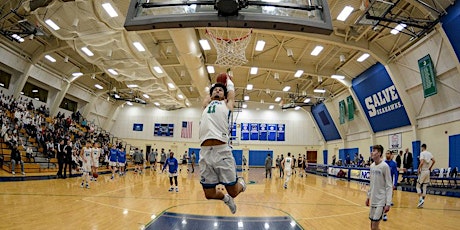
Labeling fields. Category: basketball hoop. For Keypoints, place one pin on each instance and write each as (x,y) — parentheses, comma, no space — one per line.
(230,51)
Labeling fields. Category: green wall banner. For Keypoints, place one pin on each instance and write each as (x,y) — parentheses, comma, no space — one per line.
(428,74)
(351,108)
(342,111)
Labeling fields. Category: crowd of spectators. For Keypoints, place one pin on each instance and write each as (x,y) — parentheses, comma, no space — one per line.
(21,114)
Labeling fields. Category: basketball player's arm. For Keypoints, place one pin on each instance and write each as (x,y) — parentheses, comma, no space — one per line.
(230,94)
(81,155)
(206,101)
(432,159)
(388,189)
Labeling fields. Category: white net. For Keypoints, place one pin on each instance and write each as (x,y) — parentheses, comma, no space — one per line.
(230,45)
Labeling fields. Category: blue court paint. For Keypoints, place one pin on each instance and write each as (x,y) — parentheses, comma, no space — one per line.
(169,220)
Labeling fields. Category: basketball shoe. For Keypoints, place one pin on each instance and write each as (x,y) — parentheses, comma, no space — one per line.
(230,203)
(420,203)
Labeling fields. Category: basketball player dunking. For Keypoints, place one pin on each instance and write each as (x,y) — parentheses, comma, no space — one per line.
(217,165)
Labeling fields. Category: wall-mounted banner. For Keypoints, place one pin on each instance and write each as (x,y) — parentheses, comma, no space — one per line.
(244,131)
(233,132)
(351,108)
(166,130)
(138,127)
(324,121)
(395,141)
(254,130)
(262,132)
(280,134)
(272,130)
(428,74)
(342,111)
(380,99)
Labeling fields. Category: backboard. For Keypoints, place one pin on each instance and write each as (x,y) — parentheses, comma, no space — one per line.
(310,16)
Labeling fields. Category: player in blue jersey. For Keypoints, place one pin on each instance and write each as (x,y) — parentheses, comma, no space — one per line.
(113,155)
(121,159)
(173,165)
(394,174)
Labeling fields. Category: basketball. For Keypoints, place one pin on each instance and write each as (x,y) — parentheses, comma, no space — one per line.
(222,78)
(95,175)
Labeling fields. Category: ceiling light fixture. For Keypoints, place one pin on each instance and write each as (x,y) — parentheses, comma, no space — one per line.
(52,24)
(271,107)
(77,74)
(316,50)
(110,10)
(298,73)
(132,85)
(205,44)
(246,98)
(249,87)
(338,77)
(363,57)
(112,71)
(286,88)
(260,45)
(398,28)
(158,69)
(171,85)
(51,59)
(210,69)
(139,46)
(87,51)
(145,95)
(347,10)
(319,90)
(98,86)
(277,99)
(254,70)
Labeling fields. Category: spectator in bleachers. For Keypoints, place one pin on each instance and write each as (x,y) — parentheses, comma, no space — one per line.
(16,158)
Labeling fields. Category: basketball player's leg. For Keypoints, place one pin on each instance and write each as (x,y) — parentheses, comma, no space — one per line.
(375,215)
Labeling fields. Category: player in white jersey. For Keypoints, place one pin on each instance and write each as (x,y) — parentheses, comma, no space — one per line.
(217,165)
(85,155)
(287,164)
(380,191)
(424,170)
(96,153)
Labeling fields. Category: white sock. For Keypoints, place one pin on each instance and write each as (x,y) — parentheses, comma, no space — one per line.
(226,198)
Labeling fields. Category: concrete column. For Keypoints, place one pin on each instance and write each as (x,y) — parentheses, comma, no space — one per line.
(59,97)
(21,82)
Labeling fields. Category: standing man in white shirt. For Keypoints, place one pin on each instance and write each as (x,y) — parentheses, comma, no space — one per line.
(424,170)
(380,191)
(287,164)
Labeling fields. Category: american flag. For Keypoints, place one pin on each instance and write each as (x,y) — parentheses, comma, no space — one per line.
(186,131)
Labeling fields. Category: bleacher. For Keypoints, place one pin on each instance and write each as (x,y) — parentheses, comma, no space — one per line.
(39,162)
